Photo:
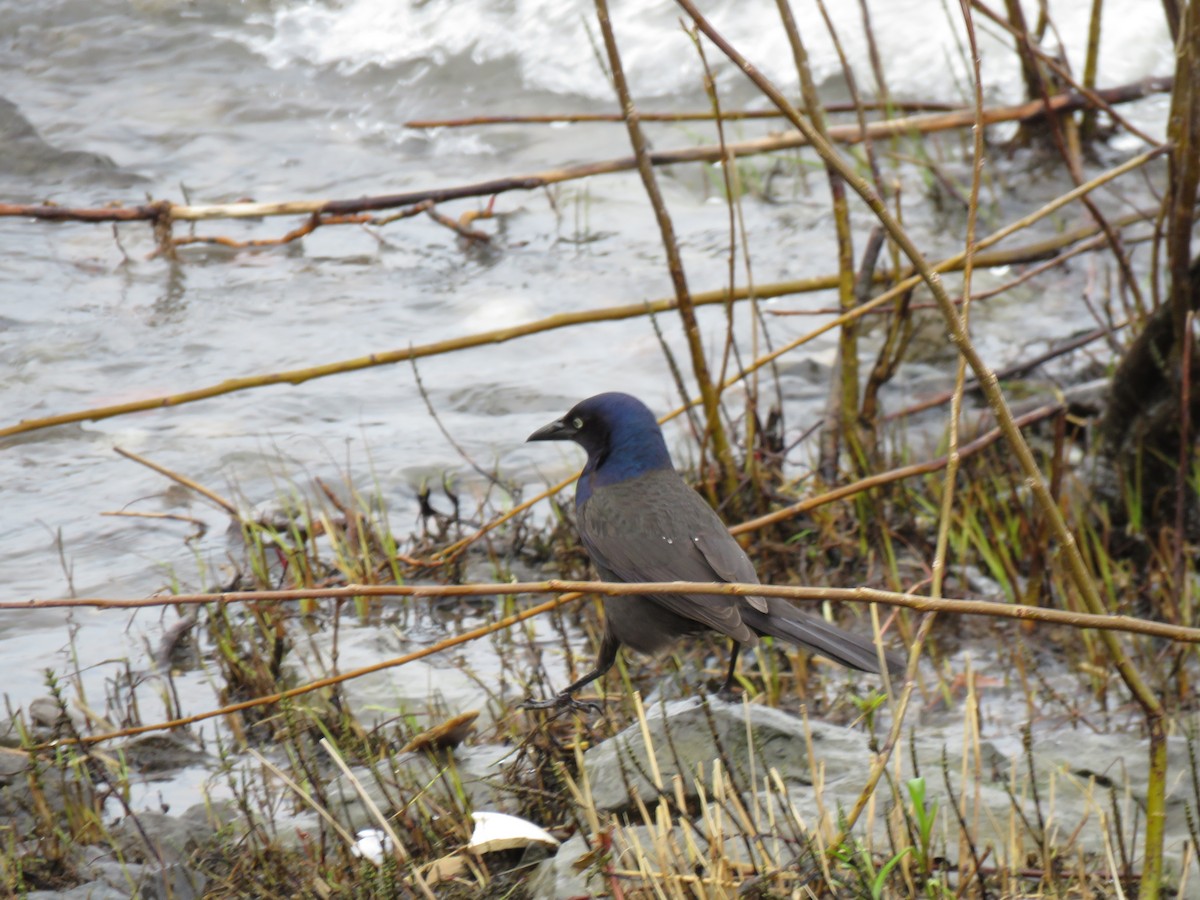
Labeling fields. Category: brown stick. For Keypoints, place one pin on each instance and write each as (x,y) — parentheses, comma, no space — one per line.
(709,394)
(847,134)
(988,608)
(183,480)
(573,590)
(725,115)
(892,475)
(310,225)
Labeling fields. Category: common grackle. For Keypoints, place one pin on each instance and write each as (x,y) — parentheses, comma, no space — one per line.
(640,521)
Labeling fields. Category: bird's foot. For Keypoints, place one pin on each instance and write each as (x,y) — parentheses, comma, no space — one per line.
(729,693)
(561,704)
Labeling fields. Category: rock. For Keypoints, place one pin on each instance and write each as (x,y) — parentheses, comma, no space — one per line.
(1093,771)
(149,882)
(28,157)
(163,752)
(93,890)
(10,734)
(161,870)
(13,765)
(173,838)
(471,771)
(46,718)
(577,871)
(687,734)
(557,877)
(55,791)
(1079,775)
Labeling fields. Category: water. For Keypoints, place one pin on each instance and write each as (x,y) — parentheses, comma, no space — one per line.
(114,101)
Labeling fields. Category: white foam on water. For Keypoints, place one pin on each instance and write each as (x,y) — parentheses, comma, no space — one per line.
(548,41)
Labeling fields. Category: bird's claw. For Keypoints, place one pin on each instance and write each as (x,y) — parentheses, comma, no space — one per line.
(562,703)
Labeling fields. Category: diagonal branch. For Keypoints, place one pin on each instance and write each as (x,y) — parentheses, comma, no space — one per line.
(1076,566)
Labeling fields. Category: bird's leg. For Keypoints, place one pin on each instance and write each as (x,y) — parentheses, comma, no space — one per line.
(604,661)
(727,690)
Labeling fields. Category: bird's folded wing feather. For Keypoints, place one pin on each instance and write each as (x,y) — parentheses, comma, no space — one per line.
(655,528)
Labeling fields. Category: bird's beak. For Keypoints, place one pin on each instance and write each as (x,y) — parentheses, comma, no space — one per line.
(558,430)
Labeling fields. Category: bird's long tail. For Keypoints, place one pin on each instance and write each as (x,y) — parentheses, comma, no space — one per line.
(815,634)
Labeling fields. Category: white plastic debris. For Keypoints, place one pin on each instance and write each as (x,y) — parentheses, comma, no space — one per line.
(371,845)
(500,831)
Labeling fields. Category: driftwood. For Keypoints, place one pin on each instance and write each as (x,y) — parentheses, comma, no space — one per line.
(164,213)
(733,115)
(1143,429)
(980,257)
(1147,435)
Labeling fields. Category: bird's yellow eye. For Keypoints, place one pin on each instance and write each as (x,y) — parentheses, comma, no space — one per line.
(577,423)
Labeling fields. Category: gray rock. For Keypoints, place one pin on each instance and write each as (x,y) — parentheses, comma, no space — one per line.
(163,752)
(56,790)
(93,890)
(149,882)
(46,718)
(1093,771)
(570,873)
(1078,776)
(557,877)
(173,839)
(688,735)
(13,765)
(472,773)
(10,734)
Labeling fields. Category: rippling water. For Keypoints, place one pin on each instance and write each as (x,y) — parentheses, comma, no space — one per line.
(104,101)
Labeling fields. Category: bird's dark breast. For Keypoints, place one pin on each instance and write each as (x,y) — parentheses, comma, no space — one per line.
(648,528)
(644,625)
(653,527)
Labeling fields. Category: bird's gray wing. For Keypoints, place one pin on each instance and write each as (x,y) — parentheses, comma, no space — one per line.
(655,528)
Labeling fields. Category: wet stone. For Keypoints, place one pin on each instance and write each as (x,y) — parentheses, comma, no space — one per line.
(172,838)
(149,882)
(13,765)
(48,720)
(684,737)
(1076,774)
(93,890)
(472,774)
(162,752)
(573,871)
(558,876)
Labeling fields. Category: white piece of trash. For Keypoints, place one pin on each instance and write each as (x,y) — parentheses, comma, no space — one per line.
(500,831)
(371,844)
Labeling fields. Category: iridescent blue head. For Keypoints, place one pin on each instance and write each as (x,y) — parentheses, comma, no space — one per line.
(619,433)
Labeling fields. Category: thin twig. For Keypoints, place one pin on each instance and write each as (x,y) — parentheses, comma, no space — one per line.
(181,479)
(572,590)
(360,590)
(709,394)
(705,116)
